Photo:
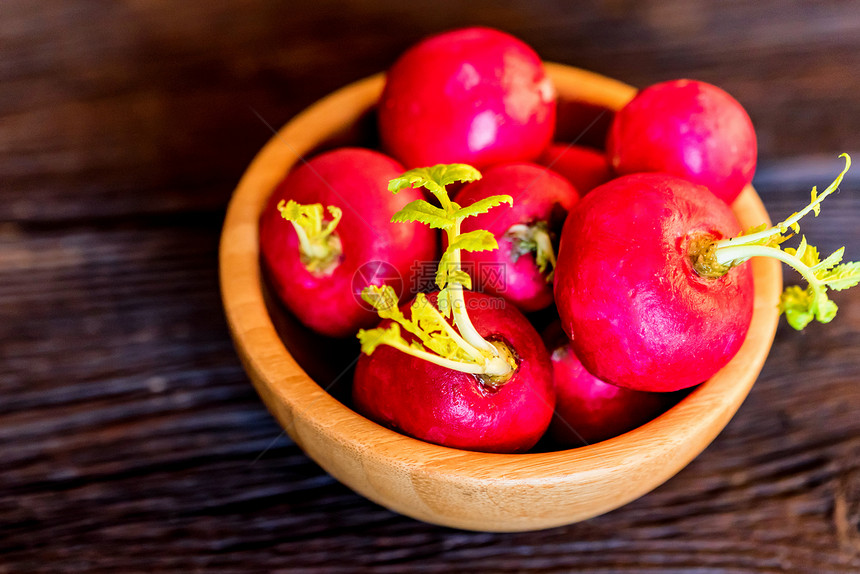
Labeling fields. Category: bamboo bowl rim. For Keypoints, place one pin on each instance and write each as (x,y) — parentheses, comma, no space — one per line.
(464,489)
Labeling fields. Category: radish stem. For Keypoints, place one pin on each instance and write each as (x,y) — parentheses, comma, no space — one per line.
(495,367)
(733,253)
(714,258)
(534,238)
(458,303)
(319,248)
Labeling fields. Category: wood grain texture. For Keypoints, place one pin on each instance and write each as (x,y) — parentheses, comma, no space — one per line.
(144,106)
(130,438)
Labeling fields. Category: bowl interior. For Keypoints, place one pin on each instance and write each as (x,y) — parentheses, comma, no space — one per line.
(304,378)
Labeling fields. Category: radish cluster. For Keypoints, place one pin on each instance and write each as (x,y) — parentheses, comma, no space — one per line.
(633,249)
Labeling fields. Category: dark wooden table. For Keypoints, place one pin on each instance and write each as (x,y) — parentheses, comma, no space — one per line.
(131,439)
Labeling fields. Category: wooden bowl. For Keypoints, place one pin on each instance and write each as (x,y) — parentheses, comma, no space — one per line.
(461,489)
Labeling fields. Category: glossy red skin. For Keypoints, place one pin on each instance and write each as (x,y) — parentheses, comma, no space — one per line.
(539,195)
(638,314)
(687,128)
(355,180)
(588,410)
(473,95)
(454,409)
(584,167)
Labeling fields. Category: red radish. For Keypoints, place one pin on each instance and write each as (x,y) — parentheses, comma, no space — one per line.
(457,409)
(638,313)
(587,409)
(473,95)
(520,270)
(584,167)
(483,383)
(687,128)
(653,287)
(313,274)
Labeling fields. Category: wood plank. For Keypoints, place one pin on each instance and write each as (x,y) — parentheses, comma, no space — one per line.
(146,107)
(130,439)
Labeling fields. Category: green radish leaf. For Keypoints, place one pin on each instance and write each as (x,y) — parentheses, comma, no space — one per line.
(445,266)
(807,254)
(798,318)
(430,328)
(816,205)
(477,240)
(382,298)
(309,217)
(423,212)
(796,303)
(461,277)
(842,276)
(831,260)
(482,206)
(801,306)
(370,339)
(301,214)
(435,178)
(443,300)
(825,309)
